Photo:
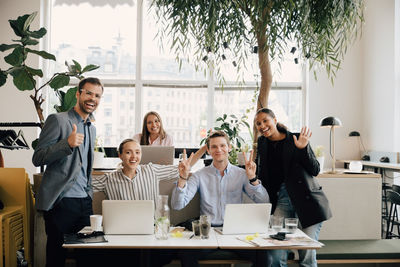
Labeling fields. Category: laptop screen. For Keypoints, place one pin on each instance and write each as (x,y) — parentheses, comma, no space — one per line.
(163,155)
(123,217)
(246,218)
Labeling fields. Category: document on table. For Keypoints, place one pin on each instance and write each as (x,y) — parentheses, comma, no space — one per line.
(270,242)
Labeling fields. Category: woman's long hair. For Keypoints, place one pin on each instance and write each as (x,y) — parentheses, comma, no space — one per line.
(144,139)
(280,126)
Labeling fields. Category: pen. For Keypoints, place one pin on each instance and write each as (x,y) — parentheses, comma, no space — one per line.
(191,236)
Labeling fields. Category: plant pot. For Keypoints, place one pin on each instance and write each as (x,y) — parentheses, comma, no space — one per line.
(321,164)
(98,159)
(241,159)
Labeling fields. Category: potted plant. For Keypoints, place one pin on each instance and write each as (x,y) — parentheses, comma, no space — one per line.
(231,125)
(99,153)
(246,149)
(24,77)
(320,155)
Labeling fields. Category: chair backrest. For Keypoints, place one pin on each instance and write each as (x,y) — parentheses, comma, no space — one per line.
(394,197)
(15,190)
(13,186)
(396,188)
(192,210)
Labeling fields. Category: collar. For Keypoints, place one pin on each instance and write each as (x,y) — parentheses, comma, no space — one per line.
(126,177)
(88,121)
(226,171)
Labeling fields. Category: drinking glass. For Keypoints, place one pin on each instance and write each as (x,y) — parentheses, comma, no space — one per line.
(205,226)
(291,225)
(196,227)
(276,223)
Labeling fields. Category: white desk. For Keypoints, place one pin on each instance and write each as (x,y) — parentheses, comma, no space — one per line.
(150,242)
(215,241)
(236,242)
(377,165)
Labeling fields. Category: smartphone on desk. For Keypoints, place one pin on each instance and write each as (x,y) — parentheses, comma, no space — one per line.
(279,236)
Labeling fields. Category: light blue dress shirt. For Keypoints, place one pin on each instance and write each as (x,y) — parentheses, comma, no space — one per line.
(80,187)
(216,191)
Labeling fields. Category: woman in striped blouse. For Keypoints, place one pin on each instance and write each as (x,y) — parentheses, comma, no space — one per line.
(138,182)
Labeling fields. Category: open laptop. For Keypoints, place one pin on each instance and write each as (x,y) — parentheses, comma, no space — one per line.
(163,155)
(245,219)
(128,217)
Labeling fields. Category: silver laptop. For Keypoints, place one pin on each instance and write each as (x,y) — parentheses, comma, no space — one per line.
(128,217)
(163,155)
(245,219)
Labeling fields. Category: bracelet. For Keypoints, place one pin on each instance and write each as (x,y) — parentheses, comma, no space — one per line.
(183,178)
(253,180)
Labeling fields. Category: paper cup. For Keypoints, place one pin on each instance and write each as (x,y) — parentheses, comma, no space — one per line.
(95,222)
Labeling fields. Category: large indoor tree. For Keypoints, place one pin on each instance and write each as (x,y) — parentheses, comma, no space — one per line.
(321,30)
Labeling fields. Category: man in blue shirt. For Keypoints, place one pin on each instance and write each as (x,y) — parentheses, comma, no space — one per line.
(66,145)
(219,184)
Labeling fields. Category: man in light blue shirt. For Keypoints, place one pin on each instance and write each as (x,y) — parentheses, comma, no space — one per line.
(219,184)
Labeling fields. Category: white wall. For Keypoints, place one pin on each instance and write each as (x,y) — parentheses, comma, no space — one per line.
(379,76)
(15,105)
(363,95)
(344,100)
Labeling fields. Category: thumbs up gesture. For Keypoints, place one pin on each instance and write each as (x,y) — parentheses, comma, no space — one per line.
(75,139)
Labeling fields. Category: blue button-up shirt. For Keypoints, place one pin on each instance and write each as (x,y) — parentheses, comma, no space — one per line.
(216,191)
(79,188)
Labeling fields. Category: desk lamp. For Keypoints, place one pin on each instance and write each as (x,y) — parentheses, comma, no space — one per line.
(331,122)
(357,134)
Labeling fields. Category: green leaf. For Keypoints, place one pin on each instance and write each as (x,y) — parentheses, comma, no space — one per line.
(77,66)
(59,81)
(69,99)
(29,41)
(34,72)
(29,21)
(23,80)
(43,54)
(3,78)
(38,34)
(90,68)
(18,25)
(16,57)
(5,47)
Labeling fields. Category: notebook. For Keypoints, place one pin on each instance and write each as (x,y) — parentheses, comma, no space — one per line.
(245,219)
(163,155)
(128,217)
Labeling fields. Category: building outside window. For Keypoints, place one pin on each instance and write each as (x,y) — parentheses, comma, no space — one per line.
(181,97)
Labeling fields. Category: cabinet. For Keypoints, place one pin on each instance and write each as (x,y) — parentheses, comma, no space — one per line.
(355,201)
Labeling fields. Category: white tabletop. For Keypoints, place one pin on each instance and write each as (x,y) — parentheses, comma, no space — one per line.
(150,242)
(298,240)
(216,240)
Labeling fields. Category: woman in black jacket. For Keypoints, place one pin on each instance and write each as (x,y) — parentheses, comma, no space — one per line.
(286,166)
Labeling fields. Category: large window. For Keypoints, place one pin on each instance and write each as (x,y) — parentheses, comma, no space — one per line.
(139,76)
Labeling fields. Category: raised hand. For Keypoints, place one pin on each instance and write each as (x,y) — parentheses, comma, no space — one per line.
(302,142)
(185,165)
(75,139)
(251,167)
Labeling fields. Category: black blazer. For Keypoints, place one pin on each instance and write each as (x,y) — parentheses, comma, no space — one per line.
(300,166)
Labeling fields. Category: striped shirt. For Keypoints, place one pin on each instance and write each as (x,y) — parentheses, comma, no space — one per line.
(144,186)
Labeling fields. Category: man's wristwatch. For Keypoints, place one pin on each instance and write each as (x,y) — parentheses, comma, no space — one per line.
(253,180)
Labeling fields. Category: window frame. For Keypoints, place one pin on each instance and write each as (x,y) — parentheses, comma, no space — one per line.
(138,83)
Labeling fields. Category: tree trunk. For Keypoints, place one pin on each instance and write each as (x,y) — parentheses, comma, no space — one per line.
(266,81)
